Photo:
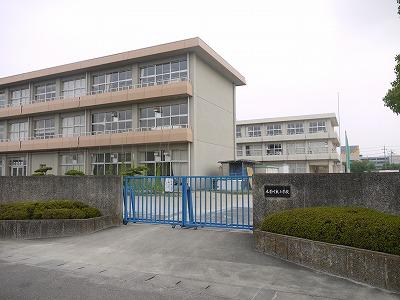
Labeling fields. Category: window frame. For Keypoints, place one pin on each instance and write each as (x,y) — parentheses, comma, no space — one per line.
(66,166)
(295,128)
(20,99)
(107,119)
(21,134)
(74,91)
(162,114)
(110,84)
(253,132)
(45,132)
(154,74)
(105,164)
(273,129)
(274,149)
(49,93)
(317,126)
(66,127)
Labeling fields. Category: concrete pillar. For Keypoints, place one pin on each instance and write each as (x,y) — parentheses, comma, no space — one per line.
(88,83)
(58,88)
(31,92)
(57,125)
(135,116)
(135,74)
(330,167)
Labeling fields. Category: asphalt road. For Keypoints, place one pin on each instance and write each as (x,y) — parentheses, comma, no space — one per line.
(157,262)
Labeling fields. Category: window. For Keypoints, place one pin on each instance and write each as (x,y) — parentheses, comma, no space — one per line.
(274,129)
(73,126)
(165,163)
(71,161)
(317,126)
(164,116)
(45,92)
(253,131)
(317,147)
(297,167)
(274,149)
(164,73)
(3,99)
(18,131)
(44,129)
(253,150)
(110,163)
(112,81)
(73,88)
(238,132)
(239,151)
(20,97)
(17,166)
(107,122)
(296,148)
(295,128)
(3,131)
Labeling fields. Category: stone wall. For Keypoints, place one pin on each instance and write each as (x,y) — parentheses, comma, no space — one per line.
(39,229)
(380,191)
(374,268)
(103,192)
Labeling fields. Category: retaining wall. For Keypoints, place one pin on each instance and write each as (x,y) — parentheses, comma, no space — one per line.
(102,192)
(380,191)
(36,229)
(371,267)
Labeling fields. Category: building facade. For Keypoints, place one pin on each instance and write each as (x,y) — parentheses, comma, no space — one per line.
(299,144)
(155,106)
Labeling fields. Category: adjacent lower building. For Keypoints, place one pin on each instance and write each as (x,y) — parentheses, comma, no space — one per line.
(170,107)
(298,144)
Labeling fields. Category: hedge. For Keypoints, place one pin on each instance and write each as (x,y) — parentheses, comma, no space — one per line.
(57,209)
(351,226)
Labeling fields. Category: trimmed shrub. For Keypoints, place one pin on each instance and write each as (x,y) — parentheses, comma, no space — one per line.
(56,209)
(74,172)
(350,226)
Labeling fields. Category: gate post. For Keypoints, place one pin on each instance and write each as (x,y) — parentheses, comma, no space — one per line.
(125,196)
(184,206)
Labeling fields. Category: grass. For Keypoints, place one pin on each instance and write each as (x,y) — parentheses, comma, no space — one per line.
(351,226)
(56,209)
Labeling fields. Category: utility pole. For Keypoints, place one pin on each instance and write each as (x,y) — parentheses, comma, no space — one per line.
(384,152)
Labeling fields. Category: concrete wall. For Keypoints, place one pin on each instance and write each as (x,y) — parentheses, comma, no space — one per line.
(371,267)
(39,229)
(213,124)
(380,191)
(103,192)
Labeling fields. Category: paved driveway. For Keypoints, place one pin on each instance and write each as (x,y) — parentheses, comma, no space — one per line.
(156,262)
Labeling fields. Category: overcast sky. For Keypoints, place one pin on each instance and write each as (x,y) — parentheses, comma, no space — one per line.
(295,55)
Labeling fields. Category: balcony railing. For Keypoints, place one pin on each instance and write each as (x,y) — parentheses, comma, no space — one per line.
(93,133)
(284,153)
(106,90)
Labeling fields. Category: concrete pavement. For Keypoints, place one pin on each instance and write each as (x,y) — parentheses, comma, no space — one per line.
(156,262)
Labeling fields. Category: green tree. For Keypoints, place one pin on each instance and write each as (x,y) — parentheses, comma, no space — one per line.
(392,98)
(132,171)
(398,10)
(42,170)
(362,166)
(388,166)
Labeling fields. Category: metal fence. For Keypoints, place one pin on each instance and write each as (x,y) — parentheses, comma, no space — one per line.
(189,201)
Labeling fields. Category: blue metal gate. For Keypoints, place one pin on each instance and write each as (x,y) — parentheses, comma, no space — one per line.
(189,201)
